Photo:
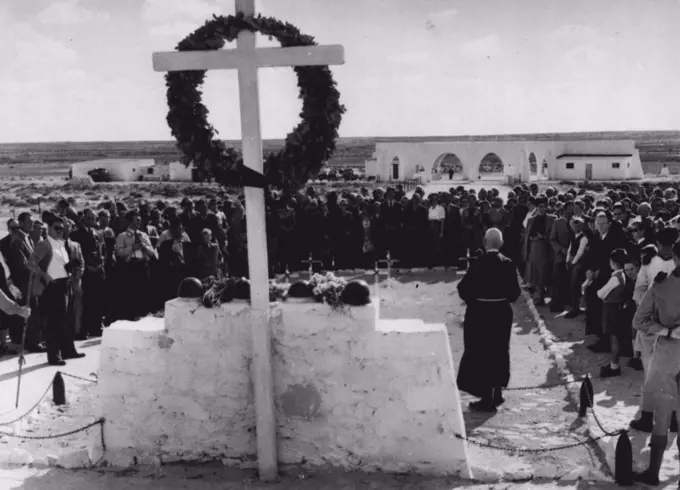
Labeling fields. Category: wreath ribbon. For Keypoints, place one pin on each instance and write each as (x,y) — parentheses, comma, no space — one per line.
(252,178)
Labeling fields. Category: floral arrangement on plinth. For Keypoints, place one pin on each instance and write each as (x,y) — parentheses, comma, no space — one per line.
(227,289)
(327,288)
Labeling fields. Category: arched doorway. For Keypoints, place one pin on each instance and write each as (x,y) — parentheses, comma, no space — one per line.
(447,167)
(395,169)
(533,165)
(491,167)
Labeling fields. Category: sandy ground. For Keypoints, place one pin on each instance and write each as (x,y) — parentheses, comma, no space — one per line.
(47,419)
(616,399)
(221,479)
(532,418)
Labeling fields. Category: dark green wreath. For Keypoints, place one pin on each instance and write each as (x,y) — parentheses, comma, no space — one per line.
(307,148)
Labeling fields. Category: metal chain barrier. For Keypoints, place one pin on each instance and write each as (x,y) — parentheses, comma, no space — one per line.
(518,450)
(529,450)
(100,422)
(56,436)
(544,386)
(597,420)
(80,378)
(10,422)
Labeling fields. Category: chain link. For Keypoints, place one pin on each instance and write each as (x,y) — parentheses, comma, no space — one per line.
(590,439)
(597,420)
(542,387)
(518,450)
(4,424)
(47,390)
(103,441)
(78,377)
(56,436)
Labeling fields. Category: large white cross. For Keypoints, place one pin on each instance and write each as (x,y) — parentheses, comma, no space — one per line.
(247,58)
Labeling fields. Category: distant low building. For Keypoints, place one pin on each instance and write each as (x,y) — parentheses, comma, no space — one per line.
(178,172)
(563,160)
(119,169)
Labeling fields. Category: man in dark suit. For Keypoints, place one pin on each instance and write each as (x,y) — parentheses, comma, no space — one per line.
(453,232)
(538,252)
(608,237)
(93,283)
(6,242)
(390,217)
(560,238)
(485,366)
(75,312)
(21,249)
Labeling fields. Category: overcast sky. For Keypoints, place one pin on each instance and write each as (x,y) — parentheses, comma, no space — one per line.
(81,70)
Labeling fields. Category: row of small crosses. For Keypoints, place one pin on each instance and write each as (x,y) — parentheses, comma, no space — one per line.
(387,261)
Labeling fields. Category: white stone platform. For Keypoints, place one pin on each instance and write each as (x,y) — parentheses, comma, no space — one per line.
(350,393)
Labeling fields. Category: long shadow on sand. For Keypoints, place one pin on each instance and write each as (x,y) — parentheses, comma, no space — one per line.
(572,342)
(616,399)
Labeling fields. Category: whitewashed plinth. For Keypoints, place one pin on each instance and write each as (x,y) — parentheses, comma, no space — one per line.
(349,393)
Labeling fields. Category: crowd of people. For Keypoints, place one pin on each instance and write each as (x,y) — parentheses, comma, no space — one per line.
(128,262)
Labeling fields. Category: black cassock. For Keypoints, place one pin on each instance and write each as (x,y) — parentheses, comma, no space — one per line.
(487,324)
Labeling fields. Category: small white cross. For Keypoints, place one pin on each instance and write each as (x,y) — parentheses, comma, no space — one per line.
(247,58)
(310,262)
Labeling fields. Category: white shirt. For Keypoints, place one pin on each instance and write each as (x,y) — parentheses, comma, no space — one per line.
(436,213)
(57,266)
(529,215)
(5,267)
(645,278)
(612,284)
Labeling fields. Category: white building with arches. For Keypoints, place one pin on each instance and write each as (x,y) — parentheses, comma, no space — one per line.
(555,160)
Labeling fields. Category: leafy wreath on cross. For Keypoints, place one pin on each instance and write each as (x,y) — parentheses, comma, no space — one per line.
(307,147)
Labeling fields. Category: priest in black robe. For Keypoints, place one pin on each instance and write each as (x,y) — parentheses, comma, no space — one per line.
(488,288)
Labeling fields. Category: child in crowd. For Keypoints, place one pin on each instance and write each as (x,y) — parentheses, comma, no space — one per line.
(613,296)
(631,269)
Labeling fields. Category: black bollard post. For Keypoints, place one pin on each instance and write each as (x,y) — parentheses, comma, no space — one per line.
(623,460)
(58,390)
(586,397)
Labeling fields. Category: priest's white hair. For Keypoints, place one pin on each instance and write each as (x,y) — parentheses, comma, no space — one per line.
(493,239)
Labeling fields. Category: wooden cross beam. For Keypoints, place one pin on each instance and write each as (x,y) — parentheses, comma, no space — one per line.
(247,58)
(311,263)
